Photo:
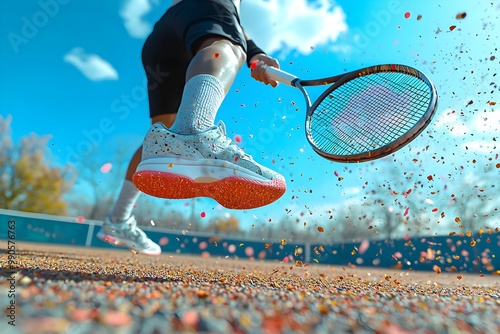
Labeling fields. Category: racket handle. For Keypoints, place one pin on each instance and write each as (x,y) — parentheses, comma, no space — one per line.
(280,76)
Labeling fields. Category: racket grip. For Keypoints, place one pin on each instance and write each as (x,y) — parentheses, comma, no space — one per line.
(280,76)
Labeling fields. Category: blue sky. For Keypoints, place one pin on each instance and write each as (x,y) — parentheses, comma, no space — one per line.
(72,69)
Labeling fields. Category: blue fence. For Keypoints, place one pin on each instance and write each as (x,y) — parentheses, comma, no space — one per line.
(477,253)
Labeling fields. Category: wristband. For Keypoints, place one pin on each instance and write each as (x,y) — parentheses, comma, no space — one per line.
(252,50)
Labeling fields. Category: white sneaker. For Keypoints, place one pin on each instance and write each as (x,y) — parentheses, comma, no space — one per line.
(206,164)
(129,235)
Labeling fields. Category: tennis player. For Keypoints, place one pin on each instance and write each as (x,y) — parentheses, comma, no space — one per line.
(191,59)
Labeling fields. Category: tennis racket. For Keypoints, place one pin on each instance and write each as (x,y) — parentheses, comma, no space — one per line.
(365,114)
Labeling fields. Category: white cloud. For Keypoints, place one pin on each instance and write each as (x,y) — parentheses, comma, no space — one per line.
(487,122)
(481,146)
(282,25)
(451,120)
(91,65)
(132,12)
(341,48)
(484,125)
(351,191)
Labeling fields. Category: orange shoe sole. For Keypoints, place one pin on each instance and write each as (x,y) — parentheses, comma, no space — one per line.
(231,192)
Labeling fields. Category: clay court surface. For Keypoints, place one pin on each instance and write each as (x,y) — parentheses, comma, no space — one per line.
(62,289)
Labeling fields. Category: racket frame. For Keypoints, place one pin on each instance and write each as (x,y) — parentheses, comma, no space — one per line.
(337,81)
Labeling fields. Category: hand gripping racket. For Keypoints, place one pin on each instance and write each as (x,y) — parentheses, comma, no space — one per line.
(365,114)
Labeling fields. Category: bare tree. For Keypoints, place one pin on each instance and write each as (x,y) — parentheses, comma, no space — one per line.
(353,223)
(474,196)
(397,200)
(95,191)
(225,224)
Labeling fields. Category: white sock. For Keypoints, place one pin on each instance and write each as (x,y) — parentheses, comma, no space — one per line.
(123,207)
(202,97)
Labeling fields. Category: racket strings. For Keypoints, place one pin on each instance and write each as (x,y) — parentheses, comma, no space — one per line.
(369,112)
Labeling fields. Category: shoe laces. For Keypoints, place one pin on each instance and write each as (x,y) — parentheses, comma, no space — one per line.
(137,232)
(223,135)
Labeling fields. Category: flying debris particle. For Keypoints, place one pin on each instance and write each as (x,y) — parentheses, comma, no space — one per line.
(452,28)
(249,251)
(461,16)
(283,241)
(363,247)
(435,210)
(320,229)
(407,15)
(106,167)
(406,212)
(216,55)
(419,17)
(237,139)
(203,214)
(80,219)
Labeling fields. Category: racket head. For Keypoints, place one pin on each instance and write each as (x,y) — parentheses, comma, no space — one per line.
(371,113)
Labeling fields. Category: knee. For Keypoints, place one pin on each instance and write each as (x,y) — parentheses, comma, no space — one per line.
(233,53)
(239,54)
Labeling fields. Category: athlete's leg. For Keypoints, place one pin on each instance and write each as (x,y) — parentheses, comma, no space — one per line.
(195,158)
(209,77)
(120,227)
(218,57)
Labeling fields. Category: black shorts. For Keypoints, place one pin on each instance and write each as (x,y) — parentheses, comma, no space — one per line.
(169,48)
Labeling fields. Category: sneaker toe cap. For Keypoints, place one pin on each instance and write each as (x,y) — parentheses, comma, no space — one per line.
(271,174)
(153,249)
